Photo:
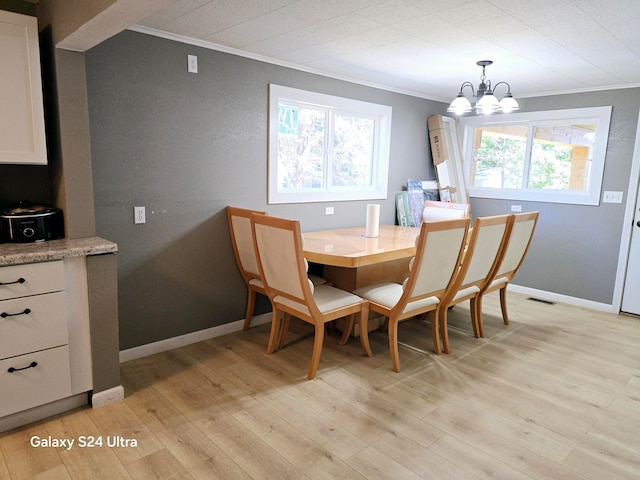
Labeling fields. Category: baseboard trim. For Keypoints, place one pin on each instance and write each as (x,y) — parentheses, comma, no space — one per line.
(556,297)
(189,338)
(201,335)
(105,397)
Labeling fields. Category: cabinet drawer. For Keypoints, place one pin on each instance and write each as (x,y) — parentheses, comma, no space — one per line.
(33,323)
(31,279)
(45,379)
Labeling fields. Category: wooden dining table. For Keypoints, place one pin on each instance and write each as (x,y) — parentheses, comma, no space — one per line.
(351,260)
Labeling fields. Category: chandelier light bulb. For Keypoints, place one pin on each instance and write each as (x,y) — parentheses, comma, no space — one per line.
(508,104)
(486,101)
(460,105)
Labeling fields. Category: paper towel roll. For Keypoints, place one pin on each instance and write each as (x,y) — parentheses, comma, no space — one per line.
(373,220)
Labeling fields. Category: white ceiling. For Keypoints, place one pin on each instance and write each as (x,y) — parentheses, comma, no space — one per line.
(426,47)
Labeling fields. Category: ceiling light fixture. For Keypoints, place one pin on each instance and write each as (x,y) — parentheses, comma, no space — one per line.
(486,102)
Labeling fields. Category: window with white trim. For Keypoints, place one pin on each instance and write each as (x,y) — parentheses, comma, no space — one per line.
(553,156)
(326,148)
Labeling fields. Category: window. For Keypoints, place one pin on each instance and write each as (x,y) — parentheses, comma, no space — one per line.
(555,156)
(326,148)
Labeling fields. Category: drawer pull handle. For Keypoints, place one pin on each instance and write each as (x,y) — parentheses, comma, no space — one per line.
(26,311)
(31,365)
(20,280)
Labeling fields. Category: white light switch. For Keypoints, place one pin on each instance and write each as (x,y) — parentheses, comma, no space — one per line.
(611,197)
(192,64)
(328,211)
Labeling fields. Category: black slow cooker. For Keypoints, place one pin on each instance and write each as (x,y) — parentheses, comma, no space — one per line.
(31,222)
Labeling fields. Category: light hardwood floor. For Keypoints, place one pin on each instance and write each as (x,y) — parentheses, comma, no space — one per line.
(555,395)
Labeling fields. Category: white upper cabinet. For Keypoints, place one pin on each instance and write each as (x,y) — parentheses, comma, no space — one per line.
(22,137)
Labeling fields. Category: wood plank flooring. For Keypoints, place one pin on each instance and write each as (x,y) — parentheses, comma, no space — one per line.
(554,395)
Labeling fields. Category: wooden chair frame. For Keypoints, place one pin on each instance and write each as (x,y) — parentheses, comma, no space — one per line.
(295,295)
(399,311)
(240,218)
(481,269)
(510,264)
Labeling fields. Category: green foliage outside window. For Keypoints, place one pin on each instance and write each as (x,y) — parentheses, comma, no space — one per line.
(500,164)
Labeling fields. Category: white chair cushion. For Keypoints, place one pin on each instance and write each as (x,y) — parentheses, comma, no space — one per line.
(419,304)
(326,298)
(244,244)
(388,295)
(464,292)
(385,294)
(518,241)
(298,307)
(256,283)
(330,298)
(498,281)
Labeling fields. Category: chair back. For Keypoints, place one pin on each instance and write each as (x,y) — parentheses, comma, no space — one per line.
(435,210)
(242,241)
(278,244)
(519,240)
(439,250)
(484,252)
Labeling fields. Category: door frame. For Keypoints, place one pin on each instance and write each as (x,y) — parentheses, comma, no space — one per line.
(627,227)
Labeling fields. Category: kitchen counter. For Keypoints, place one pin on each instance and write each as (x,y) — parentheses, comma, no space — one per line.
(19,253)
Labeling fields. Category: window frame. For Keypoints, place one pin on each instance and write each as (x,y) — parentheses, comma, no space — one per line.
(589,196)
(381,114)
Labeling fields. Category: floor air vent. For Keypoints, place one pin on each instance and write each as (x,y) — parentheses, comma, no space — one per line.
(539,300)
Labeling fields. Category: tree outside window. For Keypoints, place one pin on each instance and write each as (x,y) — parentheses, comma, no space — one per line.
(326,148)
(553,156)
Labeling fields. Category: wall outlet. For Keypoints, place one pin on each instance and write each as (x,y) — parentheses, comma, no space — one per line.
(192,64)
(611,197)
(328,211)
(139,215)
(516,208)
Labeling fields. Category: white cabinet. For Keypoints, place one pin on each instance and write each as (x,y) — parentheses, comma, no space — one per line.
(44,333)
(22,133)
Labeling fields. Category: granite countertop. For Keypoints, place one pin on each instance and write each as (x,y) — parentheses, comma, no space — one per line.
(17,253)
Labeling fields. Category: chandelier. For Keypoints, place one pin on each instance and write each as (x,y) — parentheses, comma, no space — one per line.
(486,102)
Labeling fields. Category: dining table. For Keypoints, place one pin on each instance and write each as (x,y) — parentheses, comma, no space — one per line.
(350,260)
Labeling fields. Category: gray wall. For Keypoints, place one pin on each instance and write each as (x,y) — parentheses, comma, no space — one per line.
(575,248)
(186,146)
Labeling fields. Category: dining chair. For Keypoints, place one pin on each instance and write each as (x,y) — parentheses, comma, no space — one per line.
(244,251)
(482,256)
(278,245)
(436,210)
(439,249)
(516,249)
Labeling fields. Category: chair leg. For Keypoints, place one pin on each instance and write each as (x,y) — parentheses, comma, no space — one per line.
(385,325)
(251,303)
(346,331)
(444,330)
(435,331)
(317,349)
(503,304)
(284,328)
(476,315)
(364,329)
(393,344)
(275,330)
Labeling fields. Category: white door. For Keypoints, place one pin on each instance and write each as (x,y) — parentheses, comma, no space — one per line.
(631,293)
